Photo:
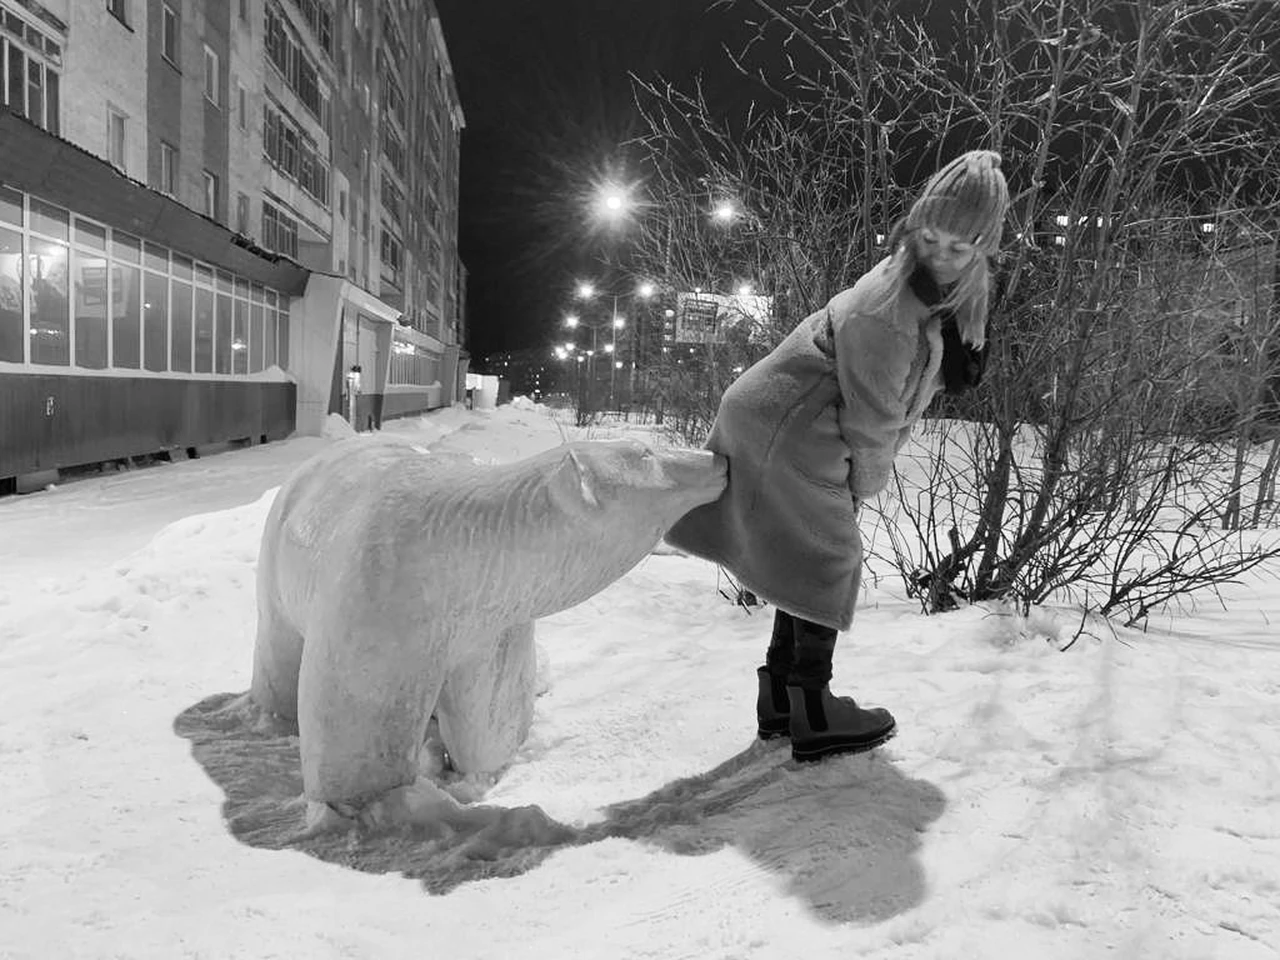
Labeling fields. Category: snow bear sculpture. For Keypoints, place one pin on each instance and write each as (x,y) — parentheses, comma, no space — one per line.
(394,584)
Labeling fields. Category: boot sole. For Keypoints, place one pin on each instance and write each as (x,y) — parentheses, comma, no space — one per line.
(816,750)
(775,729)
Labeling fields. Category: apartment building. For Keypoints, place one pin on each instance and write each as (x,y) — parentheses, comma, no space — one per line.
(201,199)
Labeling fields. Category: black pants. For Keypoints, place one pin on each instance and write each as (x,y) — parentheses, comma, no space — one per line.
(800,651)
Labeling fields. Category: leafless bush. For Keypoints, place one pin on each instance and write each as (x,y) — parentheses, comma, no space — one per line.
(1135,330)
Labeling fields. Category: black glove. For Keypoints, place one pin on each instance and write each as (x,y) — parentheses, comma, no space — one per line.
(962,365)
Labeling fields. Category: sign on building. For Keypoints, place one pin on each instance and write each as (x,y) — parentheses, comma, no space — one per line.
(705,317)
(697,319)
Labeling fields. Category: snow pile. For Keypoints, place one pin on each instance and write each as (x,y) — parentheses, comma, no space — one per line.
(1116,799)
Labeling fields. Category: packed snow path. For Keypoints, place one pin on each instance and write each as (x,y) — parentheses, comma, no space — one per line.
(1115,800)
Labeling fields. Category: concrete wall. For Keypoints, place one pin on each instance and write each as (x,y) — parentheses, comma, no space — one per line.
(246,167)
(314,322)
(105,63)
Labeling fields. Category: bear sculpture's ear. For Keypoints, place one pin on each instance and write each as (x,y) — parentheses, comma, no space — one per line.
(584,481)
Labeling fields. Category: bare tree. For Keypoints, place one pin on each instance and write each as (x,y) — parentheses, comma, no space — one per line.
(1139,138)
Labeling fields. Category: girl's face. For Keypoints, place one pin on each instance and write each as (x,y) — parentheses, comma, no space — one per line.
(944,253)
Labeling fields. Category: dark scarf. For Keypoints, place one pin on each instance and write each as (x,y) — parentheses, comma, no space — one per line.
(962,365)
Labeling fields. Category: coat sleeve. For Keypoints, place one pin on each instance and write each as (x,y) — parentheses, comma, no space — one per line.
(874,360)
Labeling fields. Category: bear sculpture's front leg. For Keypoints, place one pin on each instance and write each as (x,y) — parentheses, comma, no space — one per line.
(362,716)
(486,704)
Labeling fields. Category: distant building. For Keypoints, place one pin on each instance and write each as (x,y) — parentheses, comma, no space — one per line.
(216,201)
(530,373)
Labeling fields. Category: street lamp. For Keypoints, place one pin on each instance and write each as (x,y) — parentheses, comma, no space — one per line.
(725,211)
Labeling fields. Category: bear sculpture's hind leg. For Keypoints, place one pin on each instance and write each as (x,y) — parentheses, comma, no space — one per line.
(365,694)
(277,658)
(486,706)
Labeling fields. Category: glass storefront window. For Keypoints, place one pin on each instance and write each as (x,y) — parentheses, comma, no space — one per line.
(11,336)
(50,307)
(240,339)
(10,207)
(282,354)
(222,337)
(204,331)
(76,292)
(155,322)
(89,309)
(269,334)
(255,337)
(90,235)
(50,220)
(180,355)
(126,316)
(156,258)
(125,247)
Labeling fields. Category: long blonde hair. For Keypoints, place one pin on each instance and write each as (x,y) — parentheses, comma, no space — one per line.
(968,297)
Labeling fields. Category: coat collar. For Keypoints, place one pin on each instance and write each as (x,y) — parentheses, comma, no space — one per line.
(925,287)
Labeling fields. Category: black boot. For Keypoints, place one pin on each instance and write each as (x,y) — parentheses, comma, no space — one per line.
(773,707)
(824,726)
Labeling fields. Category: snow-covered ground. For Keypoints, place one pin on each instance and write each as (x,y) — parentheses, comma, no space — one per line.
(1118,799)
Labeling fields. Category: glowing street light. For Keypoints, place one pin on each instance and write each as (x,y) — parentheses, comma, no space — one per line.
(744,290)
(613,201)
(619,322)
(571,321)
(586,290)
(725,211)
(646,290)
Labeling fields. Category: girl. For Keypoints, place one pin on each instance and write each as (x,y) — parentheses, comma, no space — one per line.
(812,430)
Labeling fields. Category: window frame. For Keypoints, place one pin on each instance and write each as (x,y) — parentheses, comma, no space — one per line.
(168,177)
(117,117)
(211,193)
(211,56)
(170,43)
(120,10)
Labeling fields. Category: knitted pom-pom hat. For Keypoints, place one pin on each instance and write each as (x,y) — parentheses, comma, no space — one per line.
(967,197)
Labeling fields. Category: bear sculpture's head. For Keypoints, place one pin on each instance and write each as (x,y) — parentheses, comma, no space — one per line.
(654,484)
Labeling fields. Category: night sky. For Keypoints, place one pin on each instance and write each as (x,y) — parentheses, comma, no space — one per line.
(546,91)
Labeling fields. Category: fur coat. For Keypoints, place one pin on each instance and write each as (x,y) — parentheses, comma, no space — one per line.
(809,431)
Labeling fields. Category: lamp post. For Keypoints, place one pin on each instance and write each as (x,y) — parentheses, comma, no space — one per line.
(617,323)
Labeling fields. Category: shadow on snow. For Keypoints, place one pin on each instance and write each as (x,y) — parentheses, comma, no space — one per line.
(843,834)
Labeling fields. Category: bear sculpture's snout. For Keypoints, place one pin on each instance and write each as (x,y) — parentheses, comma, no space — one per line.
(701,473)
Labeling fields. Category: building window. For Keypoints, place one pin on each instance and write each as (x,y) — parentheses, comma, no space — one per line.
(28,86)
(294,154)
(119,9)
(116,122)
(168,169)
(169,33)
(392,251)
(210,195)
(242,106)
(244,10)
(242,213)
(279,232)
(212,76)
(296,67)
